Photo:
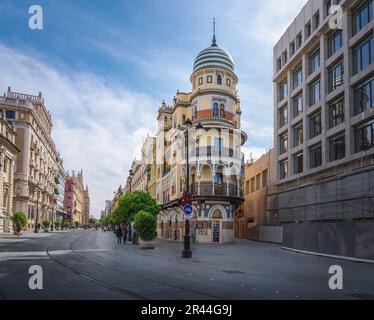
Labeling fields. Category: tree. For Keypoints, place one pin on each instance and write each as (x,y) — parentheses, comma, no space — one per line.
(145,225)
(20,220)
(132,203)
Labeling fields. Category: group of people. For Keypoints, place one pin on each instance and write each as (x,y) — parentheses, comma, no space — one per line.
(122,232)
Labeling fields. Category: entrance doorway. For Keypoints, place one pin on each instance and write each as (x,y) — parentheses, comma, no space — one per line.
(216,226)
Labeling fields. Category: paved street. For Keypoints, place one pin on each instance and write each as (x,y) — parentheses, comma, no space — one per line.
(90,265)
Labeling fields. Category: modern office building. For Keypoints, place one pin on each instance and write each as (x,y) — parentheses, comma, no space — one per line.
(324,128)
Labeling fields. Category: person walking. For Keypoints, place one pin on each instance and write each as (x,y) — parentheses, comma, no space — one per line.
(124,234)
(119,235)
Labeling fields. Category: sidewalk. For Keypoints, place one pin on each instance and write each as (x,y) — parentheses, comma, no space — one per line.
(30,234)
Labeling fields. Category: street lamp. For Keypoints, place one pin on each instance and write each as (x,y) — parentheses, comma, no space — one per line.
(187,253)
(37,208)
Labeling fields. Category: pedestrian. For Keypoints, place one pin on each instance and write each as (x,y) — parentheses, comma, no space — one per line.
(119,235)
(124,233)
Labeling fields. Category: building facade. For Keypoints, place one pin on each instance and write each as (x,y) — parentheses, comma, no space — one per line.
(36,166)
(8,154)
(324,128)
(259,176)
(60,190)
(69,199)
(215,161)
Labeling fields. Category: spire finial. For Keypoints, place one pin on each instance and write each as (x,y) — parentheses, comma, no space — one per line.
(214,41)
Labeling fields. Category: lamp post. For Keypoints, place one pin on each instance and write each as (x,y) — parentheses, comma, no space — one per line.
(37,208)
(187,253)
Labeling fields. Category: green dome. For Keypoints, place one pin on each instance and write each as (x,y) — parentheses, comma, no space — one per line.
(214,57)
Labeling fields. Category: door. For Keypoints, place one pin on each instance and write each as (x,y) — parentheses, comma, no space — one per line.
(216,231)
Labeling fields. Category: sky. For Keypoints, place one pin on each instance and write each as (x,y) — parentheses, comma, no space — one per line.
(104,68)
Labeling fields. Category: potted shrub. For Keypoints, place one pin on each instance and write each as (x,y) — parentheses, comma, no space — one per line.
(19,220)
(66,225)
(77,224)
(58,224)
(46,225)
(145,226)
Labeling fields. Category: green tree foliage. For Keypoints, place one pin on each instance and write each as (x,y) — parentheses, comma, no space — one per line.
(132,203)
(58,223)
(46,224)
(145,225)
(20,220)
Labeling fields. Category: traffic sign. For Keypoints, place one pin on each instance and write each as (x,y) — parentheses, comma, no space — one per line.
(188,210)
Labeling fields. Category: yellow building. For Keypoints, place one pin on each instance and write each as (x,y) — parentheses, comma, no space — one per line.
(215,160)
(81,198)
(8,153)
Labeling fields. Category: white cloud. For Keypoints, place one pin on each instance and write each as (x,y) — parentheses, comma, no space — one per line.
(267,21)
(97,125)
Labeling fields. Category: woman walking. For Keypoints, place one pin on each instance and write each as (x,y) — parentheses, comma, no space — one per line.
(124,234)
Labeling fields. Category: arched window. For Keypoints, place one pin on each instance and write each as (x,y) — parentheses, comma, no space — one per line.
(222,110)
(219,80)
(215,110)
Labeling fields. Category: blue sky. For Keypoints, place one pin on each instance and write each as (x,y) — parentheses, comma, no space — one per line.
(105,67)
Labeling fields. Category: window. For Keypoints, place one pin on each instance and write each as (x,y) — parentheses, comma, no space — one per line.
(194,111)
(315,156)
(279,64)
(247,187)
(297,105)
(265,175)
(283,143)
(298,135)
(228,82)
(283,90)
(336,113)
(314,92)
(362,16)
(297,77)
(364,136)
(298,160)
(363,55)
(364,97)
(222,110)
(218,179)
(200,81)
(283,169)
(316,21)
(258,182)
(337,148)
(218,145)
(314,61)
(315,124)
(219,80)
(215,110)
(10,114)
(335,42)
(292,48)
(299,41)
(5,165)
(253,185)
(284,57)
(283,117)
(336,76)
(209,79)
(308,30)
(6,198)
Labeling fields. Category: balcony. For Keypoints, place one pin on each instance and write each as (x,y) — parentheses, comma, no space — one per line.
(211,152)
(206,189)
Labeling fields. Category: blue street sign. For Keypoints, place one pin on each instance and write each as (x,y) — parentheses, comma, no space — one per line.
(188,210)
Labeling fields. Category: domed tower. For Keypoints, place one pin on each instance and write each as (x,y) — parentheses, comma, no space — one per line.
(216,161)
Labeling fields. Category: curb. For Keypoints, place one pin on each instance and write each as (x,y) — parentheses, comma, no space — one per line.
(352,259)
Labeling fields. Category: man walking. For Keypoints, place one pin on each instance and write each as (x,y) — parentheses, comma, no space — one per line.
(119,235)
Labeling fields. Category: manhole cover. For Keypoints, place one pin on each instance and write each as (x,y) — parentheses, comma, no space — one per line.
(233,271)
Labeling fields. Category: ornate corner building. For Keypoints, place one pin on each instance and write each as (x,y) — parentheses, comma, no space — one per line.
(215,160)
